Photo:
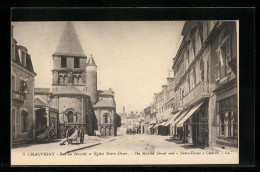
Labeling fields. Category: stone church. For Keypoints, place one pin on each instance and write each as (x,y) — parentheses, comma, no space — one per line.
(74,88)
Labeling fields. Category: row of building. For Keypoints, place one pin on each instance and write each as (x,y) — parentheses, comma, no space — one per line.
(133,122)
(199,104)
(73,100)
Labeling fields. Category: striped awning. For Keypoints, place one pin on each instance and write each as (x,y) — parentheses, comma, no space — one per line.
(171,121)
(191,112)
(181,116)
(150,126)
(156,125)
(163,123)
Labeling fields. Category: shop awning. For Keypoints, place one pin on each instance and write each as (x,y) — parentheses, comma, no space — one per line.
(150,126)
(156,125)
(152,122)
(194,109)
(163,123)
(171,121)
(181,116)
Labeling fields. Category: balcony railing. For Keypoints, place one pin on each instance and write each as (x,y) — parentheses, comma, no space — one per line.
(18,96)
(198,92)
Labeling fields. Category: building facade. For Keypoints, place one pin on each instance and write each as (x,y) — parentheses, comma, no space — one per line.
(205,84)
(74,88)
(46,112)
(22,94)
(105,111)
(70,83)
(223,84)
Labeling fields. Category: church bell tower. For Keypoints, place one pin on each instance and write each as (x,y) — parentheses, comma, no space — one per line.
(69,62)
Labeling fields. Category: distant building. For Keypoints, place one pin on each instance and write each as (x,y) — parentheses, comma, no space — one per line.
(22,94)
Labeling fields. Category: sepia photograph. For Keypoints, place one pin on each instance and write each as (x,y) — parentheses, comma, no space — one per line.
(124,92)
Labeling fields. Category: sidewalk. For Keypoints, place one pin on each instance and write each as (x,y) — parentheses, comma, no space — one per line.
(55,146)
(90,141)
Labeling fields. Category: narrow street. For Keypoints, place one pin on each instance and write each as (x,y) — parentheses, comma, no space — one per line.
(139,143)
(122,149)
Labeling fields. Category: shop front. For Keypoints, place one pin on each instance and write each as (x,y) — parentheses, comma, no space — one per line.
(193,127)
(227,122)
(227,115)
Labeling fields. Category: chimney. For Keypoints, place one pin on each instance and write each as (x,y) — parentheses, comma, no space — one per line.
(123,110)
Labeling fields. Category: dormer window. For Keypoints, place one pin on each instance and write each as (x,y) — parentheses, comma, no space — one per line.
(63,62)
(23,58)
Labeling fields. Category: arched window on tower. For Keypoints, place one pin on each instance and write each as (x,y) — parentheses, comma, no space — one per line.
(61,81)
(79,79)
(75,79)
(70,117)
(106,118)
(66,79)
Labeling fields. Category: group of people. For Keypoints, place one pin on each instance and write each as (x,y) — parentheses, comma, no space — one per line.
(130,131)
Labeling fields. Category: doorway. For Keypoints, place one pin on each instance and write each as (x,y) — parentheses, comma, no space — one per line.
(195,128)
(13,124)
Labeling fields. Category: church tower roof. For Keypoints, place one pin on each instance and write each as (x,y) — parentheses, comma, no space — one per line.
(90,61)
(69,44)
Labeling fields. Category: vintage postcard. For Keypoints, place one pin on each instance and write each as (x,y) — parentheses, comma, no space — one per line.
(124,92)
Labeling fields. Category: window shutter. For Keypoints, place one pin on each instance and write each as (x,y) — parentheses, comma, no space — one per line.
(217,72)
(228,54)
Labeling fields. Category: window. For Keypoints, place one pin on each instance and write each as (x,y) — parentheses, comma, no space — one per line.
(106,120)
(24,119)
(23,58)
(22,86)
(193,40)
(76,62)
(227,117)
(61,81)
(70,117)
(66,79)
(75,79)
(202,69)
(63,62)
(217,69)
(79,79)
(13,83)
(224,56)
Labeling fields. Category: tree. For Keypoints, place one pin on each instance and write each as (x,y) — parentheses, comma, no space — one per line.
(117,122)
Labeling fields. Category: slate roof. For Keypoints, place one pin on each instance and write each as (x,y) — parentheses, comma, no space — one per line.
(68,89)
(105,102)
(29,65)
(69,44)
(90,61)
(39,102)
(105,92)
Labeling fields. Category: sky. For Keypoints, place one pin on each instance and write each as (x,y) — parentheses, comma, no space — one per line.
(133,57)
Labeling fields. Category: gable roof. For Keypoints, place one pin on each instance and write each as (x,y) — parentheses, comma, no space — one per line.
(90,61)
(69,44)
